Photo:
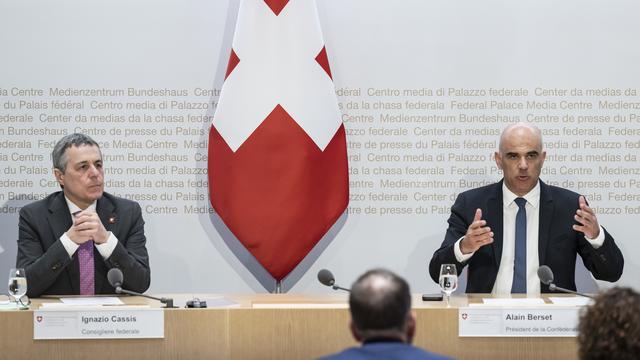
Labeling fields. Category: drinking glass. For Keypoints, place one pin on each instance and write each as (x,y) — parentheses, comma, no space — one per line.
(17,284)
(448,279)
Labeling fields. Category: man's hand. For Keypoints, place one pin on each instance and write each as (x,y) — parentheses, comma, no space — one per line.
(87,226)
(478,235)
(587,218)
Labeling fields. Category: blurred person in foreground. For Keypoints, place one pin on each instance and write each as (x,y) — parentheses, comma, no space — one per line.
(382,320)
(68,241)
(610,328)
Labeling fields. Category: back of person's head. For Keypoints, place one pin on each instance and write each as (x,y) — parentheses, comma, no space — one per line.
(380,305)
(610,328)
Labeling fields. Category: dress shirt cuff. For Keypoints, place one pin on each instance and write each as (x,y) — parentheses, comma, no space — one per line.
(459,255)
(598,241)
(107,248)
(68,244)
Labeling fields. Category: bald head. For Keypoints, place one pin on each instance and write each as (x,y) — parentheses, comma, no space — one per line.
(380,305)
(519,131)
(520,157)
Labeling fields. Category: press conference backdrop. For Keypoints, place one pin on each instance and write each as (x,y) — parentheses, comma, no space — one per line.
(425,87)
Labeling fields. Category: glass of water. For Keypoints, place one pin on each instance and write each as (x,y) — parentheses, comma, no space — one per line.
(448,279)
(17,284)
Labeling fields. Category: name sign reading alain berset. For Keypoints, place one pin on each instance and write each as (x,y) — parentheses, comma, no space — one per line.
(541,321)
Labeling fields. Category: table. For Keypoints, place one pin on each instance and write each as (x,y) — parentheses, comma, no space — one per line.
(293,326)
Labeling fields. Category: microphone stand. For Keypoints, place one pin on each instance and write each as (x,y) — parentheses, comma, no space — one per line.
(336,287)
(168,302)
(553,287)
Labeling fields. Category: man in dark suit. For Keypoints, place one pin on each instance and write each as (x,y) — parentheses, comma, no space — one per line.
(382,320)
(68,241)
(505,231)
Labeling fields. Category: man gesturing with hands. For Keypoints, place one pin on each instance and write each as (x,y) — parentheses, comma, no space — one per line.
(505,231)
(478,234)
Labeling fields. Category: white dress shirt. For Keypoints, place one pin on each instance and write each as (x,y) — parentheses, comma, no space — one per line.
(504,279)
(105,249)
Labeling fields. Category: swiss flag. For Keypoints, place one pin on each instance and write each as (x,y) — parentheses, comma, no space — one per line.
(278,172)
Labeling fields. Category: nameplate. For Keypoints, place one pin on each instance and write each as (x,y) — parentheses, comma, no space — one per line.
(542,321)
(97,323)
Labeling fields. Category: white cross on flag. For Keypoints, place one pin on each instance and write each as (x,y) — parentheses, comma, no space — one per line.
(278,172)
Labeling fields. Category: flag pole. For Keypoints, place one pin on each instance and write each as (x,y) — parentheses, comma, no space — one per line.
(278,289)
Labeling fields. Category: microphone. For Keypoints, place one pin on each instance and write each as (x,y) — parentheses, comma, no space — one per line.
(115,278)
(546,277)
(326,278)
(545,274)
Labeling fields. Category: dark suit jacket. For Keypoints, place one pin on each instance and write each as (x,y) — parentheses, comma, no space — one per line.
(385,350)
(50,270)
(558,243)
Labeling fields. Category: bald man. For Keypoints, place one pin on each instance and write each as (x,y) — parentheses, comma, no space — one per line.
(505,231)
(382,320)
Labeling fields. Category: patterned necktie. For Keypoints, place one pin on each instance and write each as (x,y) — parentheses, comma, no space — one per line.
(85,259)
(519,285)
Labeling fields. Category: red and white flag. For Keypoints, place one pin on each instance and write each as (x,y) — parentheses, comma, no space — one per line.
(278,172)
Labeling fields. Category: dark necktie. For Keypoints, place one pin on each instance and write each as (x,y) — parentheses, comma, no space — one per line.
(85,260)
(519,285)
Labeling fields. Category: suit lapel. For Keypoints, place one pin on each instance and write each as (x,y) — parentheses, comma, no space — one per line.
(546,216)
(494,220)
(106,211)
(60,221)
(59,217)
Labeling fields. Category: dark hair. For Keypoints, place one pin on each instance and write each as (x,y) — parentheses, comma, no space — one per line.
(379,301)
(59,153)
(610,328)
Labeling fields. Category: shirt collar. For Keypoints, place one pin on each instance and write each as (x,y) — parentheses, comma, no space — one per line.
(382,339)
(73,208)
(532,197)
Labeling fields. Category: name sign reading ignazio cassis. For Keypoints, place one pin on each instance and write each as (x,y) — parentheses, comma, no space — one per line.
(98,323)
